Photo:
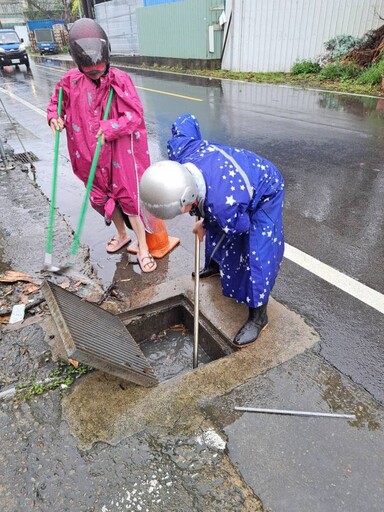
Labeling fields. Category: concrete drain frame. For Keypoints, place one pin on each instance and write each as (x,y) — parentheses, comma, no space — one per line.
(144,321)
(111,343)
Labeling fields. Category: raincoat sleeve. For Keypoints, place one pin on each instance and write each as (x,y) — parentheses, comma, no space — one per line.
(227,203)
(129,115)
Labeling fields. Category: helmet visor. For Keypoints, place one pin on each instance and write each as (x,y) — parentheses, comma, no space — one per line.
(90,51)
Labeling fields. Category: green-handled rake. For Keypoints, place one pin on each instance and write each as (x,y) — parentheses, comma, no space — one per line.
(49,246)
(76,241)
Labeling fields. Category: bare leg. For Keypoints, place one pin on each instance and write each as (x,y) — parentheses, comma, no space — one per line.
(118,241)
(143,251)
(118,221)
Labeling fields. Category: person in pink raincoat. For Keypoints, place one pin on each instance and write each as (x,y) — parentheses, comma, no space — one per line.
(124,154)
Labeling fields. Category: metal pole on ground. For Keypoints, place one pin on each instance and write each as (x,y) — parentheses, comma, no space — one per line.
(296,413)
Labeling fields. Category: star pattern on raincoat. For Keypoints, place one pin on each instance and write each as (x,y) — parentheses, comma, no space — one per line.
(242,212)
(230,200)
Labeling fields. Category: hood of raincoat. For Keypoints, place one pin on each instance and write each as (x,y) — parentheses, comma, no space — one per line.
(186,138)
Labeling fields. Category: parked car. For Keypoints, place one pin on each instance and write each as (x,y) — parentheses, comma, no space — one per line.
(12,49)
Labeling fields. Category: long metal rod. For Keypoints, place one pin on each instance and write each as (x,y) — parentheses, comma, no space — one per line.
(296,413)
(196,310)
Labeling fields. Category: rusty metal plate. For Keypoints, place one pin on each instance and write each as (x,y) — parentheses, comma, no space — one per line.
(96,337)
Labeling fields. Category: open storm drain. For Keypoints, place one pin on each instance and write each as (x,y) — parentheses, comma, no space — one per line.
(144,345)
(164,332)
(25,158)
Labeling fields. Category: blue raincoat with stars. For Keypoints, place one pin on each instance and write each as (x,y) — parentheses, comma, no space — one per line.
(242,211)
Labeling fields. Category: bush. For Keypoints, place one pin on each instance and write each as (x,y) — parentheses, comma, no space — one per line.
(305,67)
(338,71)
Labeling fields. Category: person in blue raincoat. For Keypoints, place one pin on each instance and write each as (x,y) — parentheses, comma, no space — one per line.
(239,196)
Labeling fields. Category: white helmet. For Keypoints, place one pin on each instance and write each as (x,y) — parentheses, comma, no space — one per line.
(166,187)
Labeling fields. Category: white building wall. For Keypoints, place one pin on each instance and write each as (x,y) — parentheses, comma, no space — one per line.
(22,32)
(271,35)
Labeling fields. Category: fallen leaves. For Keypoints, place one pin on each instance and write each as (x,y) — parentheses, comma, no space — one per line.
(5,319)
(11,276)
(21,289)
(30,288)
(181,328)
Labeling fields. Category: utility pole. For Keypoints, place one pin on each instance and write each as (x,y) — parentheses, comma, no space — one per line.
(88,9)
(66,11)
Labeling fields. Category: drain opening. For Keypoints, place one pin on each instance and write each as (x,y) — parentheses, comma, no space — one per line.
(25,158)
(170,352)
(164,332)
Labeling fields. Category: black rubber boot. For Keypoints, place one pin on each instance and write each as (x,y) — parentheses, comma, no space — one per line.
(212,270)
(257,321)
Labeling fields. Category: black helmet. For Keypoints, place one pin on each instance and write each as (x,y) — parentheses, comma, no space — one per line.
(88,44)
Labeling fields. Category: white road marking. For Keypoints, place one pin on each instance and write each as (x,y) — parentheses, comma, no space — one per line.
(329,274)
(38,110)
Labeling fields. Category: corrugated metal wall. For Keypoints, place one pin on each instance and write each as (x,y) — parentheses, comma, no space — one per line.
(118,19)
(271,35)
(181,29)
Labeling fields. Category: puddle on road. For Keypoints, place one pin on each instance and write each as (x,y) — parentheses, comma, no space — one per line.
(170,353)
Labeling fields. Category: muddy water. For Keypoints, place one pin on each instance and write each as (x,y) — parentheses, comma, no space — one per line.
(170,353)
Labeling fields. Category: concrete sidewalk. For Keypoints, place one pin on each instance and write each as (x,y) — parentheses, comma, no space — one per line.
(104,444)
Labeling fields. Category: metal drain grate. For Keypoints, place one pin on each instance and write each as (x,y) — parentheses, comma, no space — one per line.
(94,336)
(25,158)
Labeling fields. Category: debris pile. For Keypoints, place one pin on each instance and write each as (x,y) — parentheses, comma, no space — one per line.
(19,295)
(369,51)
(21,298)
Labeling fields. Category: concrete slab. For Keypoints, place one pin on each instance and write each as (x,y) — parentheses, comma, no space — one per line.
(301,463)
(175,402)
(285,327)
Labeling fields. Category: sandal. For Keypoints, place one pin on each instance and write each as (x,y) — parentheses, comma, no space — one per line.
(147,261)
(116,243)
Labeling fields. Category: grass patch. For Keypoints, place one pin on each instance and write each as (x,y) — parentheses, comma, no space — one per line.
(339,71)
(305,67)
(63,376)
(373,74)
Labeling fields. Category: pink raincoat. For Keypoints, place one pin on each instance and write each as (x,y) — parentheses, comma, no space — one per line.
(124,156)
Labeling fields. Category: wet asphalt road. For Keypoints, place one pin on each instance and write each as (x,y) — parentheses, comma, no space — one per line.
(329,148)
